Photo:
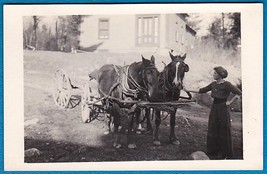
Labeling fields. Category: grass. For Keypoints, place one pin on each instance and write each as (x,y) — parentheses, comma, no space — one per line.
(201,60)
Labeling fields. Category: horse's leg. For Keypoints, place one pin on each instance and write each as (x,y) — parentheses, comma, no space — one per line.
(148,121)
(156,132)
(134,112)
(130,138)
(138,120)
(116,117)
(108,124)
(173,138)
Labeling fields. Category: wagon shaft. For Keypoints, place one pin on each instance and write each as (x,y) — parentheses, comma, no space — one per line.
(164,106)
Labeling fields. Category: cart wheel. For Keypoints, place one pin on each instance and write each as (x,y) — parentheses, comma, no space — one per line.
(62,91)
(86,110)
(61,88)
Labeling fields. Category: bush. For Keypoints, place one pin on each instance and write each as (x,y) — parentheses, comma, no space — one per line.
(210,50)
(207,54)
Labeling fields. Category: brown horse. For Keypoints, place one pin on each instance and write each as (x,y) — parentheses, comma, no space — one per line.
(170,86)
(138,81)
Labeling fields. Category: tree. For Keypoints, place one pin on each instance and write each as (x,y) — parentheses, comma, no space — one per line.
(39,35)
(74,29)
(68,32)
(194,20)
(226,30)
(36,20)
(27,35)
(236,25)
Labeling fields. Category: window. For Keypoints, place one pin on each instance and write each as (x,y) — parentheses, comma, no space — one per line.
(103,29)
(182,40)
(148,30)
(176,36)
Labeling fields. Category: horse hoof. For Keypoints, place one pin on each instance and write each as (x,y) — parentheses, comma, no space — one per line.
(157,143)
(138,131)
(176,142)
(117,146)
(132,146)
(106,132)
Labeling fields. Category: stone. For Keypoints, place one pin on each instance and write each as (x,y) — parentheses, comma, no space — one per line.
(198,155)
(32,152)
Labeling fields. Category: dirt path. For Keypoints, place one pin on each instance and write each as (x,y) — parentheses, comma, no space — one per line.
(60,135)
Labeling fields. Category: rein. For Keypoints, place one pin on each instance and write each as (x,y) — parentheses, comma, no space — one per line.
(143,75)
(168,87)
(135,84)
(138,86)
(125,77)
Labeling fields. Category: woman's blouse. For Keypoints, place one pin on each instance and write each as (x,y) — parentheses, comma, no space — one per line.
(221,90)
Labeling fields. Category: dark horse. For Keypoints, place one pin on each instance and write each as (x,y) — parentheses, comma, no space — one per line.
(138,81)
(170,86)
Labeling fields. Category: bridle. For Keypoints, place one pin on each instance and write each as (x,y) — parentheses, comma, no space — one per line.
(170,86)
(166,85)
(136,89)
(143,72)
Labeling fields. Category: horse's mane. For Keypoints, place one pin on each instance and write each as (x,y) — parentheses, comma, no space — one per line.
(165,85)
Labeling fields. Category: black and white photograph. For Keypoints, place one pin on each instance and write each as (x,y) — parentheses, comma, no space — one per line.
(151,85)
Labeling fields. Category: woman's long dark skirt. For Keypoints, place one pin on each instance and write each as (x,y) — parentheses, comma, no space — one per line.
(219,138)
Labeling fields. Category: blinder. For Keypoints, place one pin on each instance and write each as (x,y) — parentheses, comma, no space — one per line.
(150,67)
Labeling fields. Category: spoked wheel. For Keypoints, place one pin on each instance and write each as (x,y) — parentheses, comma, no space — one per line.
(86,110)
(62,91)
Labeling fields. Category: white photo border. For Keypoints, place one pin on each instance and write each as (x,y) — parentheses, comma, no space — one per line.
(252,83)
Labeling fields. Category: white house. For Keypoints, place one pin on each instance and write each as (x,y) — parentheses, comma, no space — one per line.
(140,32)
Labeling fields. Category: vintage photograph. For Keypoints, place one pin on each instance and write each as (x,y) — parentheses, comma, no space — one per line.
(101,66)
(139,86)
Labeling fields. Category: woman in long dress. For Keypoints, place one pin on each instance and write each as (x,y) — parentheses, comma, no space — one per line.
(219,138)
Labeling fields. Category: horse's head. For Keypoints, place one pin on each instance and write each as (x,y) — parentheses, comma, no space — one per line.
(150,77)
(177,69)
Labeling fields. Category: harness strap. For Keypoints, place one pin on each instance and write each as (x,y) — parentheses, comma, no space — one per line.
(136,85)
(166,86)
(124,83)
(143,77)
(125,77)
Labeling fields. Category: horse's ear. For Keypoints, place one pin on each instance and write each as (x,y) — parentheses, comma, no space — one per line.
(184,56)
(172,57)
(143,59)
(186,68)
(153,59)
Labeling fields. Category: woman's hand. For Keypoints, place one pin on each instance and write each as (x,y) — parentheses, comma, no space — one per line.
(185,89)
(190,90)
(228,103)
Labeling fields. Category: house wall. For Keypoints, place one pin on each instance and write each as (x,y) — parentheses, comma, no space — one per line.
(190,40)
(161,48)
(176,36)
(163,34)
(121,33)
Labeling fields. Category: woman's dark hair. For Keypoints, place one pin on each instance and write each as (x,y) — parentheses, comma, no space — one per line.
(221,71)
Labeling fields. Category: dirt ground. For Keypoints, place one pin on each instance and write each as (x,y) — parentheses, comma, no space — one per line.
(61,136)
